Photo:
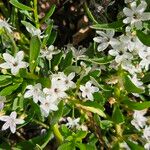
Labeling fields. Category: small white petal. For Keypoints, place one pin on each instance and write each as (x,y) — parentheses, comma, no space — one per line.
(13,128)
(8,58)
(13,115)
(5,65)
(19,121)
(5,126)
(102,46)
(19,56)
(4,118)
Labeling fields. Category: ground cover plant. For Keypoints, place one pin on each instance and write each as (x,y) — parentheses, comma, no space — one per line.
(74,74)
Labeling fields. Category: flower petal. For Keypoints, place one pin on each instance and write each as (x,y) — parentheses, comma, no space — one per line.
(19,121)
(5,65)
(102,46)
(19,56)
(4,118)
(5,126)
(13,115)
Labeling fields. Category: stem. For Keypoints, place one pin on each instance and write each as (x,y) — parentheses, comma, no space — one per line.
(57,134)
(36,14)
(42,124)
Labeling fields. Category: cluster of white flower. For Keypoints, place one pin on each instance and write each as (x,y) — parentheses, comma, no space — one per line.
(129,52)
(140,122)
(50,97)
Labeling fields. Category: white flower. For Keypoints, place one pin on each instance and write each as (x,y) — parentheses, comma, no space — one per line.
(2,100)
(88,90)
(11,122)
(34,91)
(104,39)
(5,24)
(14,63)
(77,53)
(147,146)
(48,104)
(145,56)
(49,52)
(139,121)
(57,89)
(136,14)
(72,123)
(146,133)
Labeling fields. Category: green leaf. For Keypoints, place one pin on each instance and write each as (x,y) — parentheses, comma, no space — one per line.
(114,25)
(46,82)
(56,60)
(66,146)
(67,61)
(34,52)
(20,6)
(144,38)
(80,135)
(49,14)
(89,13)
(9,90)
(136,105)
(57,114)
(47,33)
(134,146)
(4,77)
(81,146)
(6,82)
(28,25)
(15,104)
(52,38)
(69,69)
(93,109)
(129,85)
(146,77)
(100,61)
(117,116)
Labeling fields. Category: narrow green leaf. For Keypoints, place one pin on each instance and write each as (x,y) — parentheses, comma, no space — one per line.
(110,26)
(144,38)
(52,38)
(66,146)
(48,34)
(92,109)
(6,82)
(34,52)
(89,13)
(117,116)
(20,5)
(9,90)
(103,60)
(129,85)
(134,146)
(136,105)
(15,104)
(67,61)
(4,77)
(58,114)
(49,14)
(69,69)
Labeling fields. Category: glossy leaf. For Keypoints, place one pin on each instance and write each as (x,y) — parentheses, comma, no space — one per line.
(130,86)
(20,5)
(117,116)
(144,38)
(114,25)
(9,90)
(34,52)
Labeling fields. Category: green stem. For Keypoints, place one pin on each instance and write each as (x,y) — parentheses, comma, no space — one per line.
(36,14)
(57,134)
(42,124)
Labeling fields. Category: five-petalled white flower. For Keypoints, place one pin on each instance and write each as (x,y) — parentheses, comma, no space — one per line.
(11,122)
(135,14)
(14,63)
(88,90)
